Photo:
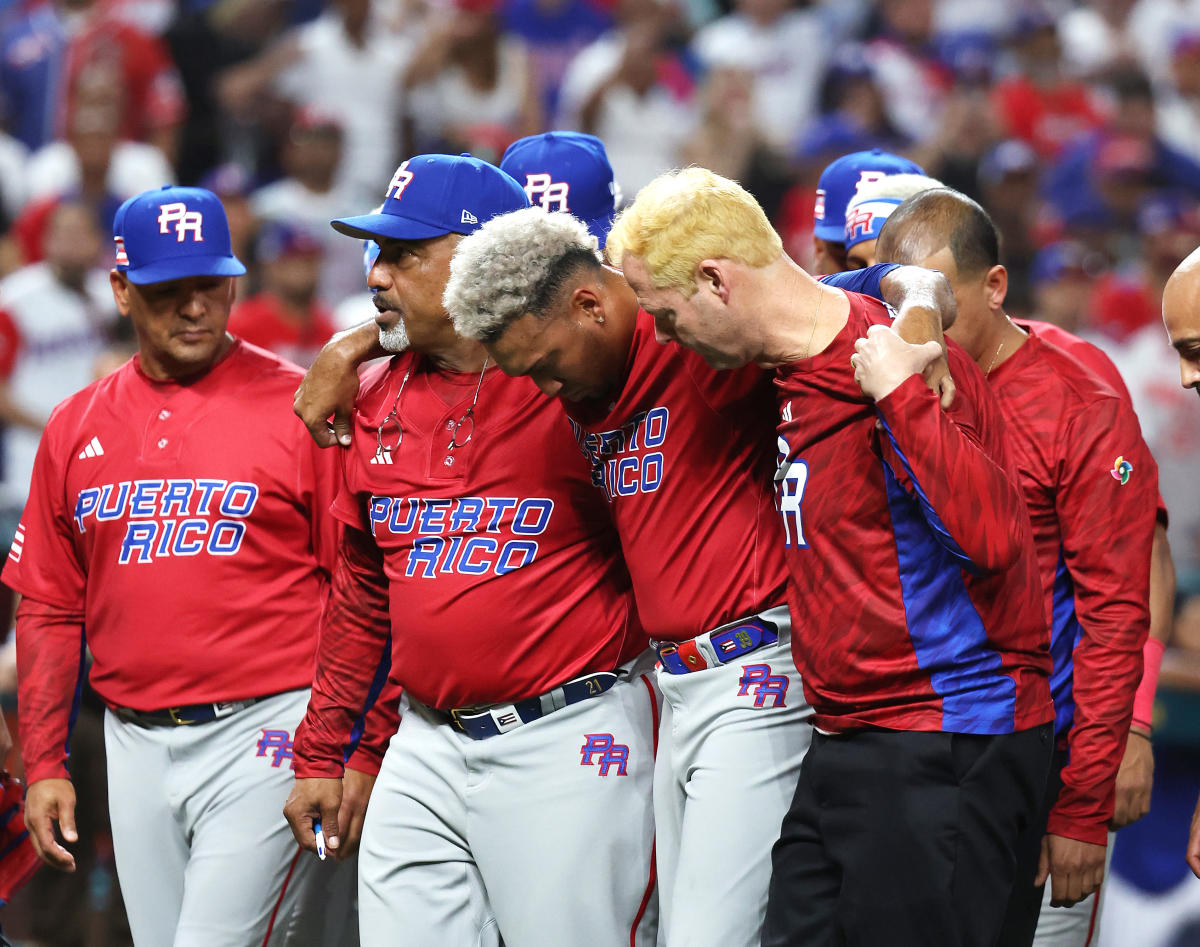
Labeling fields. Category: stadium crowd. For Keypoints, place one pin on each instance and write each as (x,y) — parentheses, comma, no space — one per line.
(1075,124)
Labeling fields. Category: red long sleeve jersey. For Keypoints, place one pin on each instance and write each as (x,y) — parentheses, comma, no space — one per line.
(1094,359)
(914,584)
(184,526)
(685,456)
(504,572)
(1092,491)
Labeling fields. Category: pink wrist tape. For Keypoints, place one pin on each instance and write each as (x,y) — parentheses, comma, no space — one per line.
(1143,700)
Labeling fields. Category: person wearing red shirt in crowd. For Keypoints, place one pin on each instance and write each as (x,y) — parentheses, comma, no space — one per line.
(1038,104)
(285,316)
(478,564)
(45,52)
(913,583)
(194,569)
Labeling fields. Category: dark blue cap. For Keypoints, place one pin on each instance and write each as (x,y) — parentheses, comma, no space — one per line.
(171,233)
(569,172)
(841,178)
(433,195)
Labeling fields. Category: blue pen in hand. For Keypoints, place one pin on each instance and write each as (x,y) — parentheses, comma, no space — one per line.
(320,839)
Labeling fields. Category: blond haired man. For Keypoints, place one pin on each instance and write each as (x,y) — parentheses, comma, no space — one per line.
(913,583)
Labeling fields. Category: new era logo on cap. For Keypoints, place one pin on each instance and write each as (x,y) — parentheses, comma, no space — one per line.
(172,233)
(433,195)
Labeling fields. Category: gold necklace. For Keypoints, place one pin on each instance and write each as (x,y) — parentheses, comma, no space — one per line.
(992,363)
(813,334)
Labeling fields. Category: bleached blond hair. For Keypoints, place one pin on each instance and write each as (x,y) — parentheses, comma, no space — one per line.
(689,215)
(513,265)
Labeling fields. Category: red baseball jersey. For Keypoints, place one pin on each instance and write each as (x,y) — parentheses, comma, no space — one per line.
(1094,359)
(503,568)
(1092,491)
(915,590)
(184,526)
(685,455)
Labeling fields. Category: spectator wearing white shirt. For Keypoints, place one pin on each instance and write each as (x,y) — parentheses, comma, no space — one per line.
(784,49)
(310,194)
(60,309)
(629,90)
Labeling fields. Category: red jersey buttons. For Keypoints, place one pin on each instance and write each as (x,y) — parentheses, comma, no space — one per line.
(162,442)
(164,414)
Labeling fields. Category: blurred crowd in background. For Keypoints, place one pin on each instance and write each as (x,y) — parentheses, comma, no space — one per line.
(1077,125)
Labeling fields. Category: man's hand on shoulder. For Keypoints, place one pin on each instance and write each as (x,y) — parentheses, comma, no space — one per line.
(325,399)
(883,361)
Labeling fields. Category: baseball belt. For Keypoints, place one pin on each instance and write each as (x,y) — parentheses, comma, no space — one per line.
(184,716)
(717,647)
(489,720)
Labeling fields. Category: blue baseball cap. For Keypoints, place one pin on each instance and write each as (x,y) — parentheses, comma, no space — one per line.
(841,178)
(566,171)
(171,233)
(433,195)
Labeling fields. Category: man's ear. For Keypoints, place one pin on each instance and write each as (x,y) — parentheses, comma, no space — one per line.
(711,277)
(588,303)
(120,290)
(996,286)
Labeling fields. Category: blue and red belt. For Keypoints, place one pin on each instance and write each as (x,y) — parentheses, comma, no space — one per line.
(717,647)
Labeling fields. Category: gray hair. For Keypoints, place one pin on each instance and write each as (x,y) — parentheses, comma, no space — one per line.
(514,264)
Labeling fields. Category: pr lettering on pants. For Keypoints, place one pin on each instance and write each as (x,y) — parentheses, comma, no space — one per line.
(600,749)
(757,680)
(277,744)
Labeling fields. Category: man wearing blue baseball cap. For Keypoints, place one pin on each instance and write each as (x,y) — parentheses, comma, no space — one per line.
(568,172)
(481,573)
(198,565)
(837,186)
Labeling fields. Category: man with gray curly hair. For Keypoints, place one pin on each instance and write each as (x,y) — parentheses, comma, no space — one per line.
(686,456)
(527,256)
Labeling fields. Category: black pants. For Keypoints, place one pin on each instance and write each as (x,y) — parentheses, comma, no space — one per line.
(900,838)
(1025,903)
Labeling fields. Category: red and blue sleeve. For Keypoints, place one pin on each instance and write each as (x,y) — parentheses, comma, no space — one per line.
(968,501)
(52,657)
(1107,500)
(353,661)
(45,568)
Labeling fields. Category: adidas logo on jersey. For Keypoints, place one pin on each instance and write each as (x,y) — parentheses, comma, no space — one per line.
(92,450)
(18,543)
(382,456)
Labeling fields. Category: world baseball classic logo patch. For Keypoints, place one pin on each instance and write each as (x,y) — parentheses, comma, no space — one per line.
(757,680)
(1121,470)
(277,744)
(600,749)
